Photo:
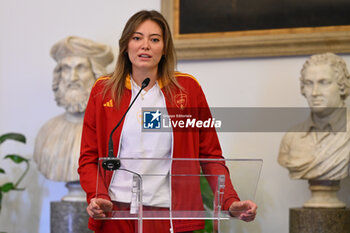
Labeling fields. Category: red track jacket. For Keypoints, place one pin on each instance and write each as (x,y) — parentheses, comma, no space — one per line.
(101,117)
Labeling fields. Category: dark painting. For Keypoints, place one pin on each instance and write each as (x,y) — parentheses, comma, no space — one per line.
(204,16)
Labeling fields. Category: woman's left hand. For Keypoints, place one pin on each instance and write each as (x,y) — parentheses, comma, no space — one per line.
(244,210)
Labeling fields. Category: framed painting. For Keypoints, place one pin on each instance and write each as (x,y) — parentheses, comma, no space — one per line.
(213,29)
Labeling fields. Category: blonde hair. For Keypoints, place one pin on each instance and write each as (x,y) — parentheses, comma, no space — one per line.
(166,66)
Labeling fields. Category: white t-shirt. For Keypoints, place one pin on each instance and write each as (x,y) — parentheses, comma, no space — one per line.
(137,144)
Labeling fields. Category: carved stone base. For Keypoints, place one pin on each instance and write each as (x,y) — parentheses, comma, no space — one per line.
(69,217)
(319,220)
(75,192)
(324,194)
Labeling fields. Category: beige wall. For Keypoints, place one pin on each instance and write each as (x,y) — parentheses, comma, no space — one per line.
(30,28)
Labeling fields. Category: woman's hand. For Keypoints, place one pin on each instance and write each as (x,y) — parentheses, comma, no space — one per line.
(244,210)
(98,207)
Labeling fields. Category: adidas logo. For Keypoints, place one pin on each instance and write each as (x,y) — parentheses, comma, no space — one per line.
(108,104)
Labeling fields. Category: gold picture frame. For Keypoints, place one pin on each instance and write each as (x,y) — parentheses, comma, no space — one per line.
(259,43)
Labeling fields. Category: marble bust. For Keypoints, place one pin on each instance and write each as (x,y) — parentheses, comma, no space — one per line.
(318,149)
(57,146)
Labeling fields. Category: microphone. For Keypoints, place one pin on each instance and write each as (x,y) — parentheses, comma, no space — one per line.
(111,163)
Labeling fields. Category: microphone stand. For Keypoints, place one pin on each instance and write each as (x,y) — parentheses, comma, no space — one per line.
(111,163)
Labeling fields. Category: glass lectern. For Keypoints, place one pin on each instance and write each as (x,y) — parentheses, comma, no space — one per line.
(187,189)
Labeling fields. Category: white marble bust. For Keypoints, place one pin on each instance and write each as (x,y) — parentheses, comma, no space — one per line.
(318,149)
(57,146)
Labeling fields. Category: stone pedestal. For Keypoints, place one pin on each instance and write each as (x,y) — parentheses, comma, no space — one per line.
(69,217)
(319,220)
(75,192)
(324,194)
